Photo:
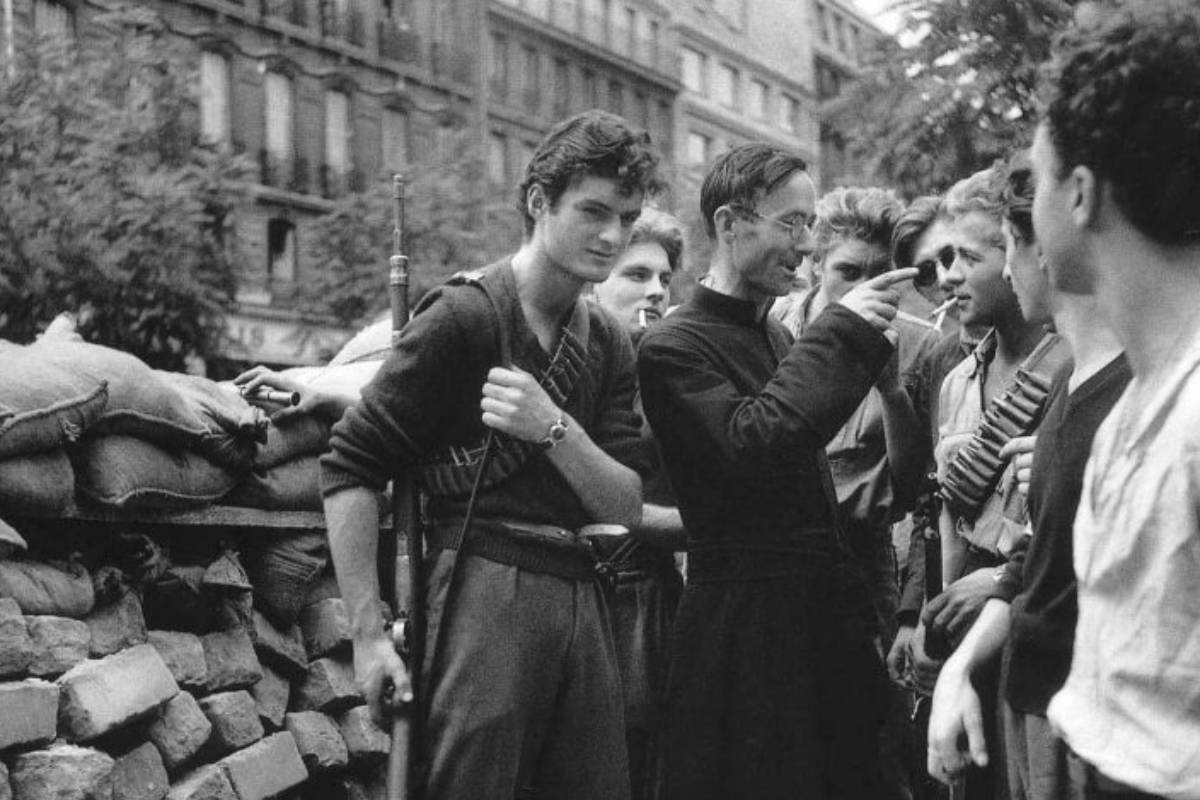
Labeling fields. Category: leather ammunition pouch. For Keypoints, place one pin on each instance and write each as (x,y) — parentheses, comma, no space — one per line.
(976,468)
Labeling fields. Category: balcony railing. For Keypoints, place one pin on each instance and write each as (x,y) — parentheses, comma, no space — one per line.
(337,182)
(293,11)
(280,172)
(398,43)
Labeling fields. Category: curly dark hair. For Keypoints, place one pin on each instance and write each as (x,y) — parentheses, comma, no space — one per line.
(915,220)
(591,143)
(1018,194)
(1121,96)
(742,175)
(864,214)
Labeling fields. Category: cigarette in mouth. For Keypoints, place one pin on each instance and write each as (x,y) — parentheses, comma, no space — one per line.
(641,318)
(944,307)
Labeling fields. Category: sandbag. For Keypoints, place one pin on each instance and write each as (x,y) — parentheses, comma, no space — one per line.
(224,411)
(59,589)
(301,435)
(372,343)
(126,472)
(292,486)
(11,541)
(40,483)
(283,571)
(44,405)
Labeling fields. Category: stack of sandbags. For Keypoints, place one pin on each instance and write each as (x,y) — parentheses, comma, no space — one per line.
(162,440)
(44,407)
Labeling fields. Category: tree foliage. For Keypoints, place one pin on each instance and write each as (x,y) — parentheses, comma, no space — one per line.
(110,206)
(444,233)
(957,94)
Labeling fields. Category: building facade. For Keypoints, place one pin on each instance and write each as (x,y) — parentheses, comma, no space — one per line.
(328,96)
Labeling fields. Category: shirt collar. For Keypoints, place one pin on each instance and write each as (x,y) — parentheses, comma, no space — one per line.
(984,352)
(743,312)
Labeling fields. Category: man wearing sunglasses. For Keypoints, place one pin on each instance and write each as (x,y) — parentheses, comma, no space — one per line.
(775,686)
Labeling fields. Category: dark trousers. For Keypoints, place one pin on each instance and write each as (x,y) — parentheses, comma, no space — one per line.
(524,695)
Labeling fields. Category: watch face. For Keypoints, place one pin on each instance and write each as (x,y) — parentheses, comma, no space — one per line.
(558,431)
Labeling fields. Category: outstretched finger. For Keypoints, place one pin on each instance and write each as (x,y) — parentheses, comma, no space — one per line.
(892,277)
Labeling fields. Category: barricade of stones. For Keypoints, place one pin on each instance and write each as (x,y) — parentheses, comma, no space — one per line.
(102,707)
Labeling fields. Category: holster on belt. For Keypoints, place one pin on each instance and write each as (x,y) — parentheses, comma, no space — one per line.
(976,468)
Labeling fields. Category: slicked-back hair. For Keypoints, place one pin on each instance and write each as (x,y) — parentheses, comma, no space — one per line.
(983,191)
(916,219)
(590,144)
(660,228)
(742,175)
(1121,96)
(863,214)
(1018,194)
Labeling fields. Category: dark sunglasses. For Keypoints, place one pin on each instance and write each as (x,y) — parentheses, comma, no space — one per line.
(927,270)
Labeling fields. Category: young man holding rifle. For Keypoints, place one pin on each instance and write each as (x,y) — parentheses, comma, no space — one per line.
(520,694)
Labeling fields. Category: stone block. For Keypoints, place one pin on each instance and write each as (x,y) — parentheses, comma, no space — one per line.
(59,643)
(366,742)
(266,768)
(183,653)
(329,687)
(234,718)
(326,628)
(140,775)
(16,649)
(62,772)
(282,649)
(103,695)
(318,739)
(271,695)
(116,626)
(180,730)
(231,661)
(29,710)
(208,782)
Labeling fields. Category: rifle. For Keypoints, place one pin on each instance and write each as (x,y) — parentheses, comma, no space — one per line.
(402,576)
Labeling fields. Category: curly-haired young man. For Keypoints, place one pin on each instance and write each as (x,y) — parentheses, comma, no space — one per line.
(521,695)
(1117,210)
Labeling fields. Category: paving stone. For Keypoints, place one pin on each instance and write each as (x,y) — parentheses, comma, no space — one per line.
(180,730)
(116,626)
(234,718)
(183,654)
(365,741)
(231,661)
(326,628)
(282,649)
(29,710)
(16,648)
(318,739)
(102,695)
(266,768)
(271,695)
(140,775)
(208,782)
(62,772)
(59,643)
(329,686)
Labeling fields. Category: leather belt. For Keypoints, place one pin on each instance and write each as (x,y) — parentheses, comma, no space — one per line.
(532,546)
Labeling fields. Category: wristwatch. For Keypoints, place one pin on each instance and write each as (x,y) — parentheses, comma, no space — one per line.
(554,434)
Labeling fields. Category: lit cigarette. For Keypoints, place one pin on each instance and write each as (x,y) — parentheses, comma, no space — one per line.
(273,396)
(943,308)
(641,318)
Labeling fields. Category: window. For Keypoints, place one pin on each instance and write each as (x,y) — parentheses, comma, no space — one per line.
(698,147)
(591,90)
(662,128)
(395,139)
(566,14)
(337,132)
(725,86)
(641,110)
(855,43)
(839,33)
(53,19)
(631,28)
(644,44)
(758,99)
(823,23)
(595,19)
(693,70)
(621,31)
(562,87)
(281,250)
(539,8)
(279,116)
(656,46)
(533,79)
(526,156)
(789,114)
(497,160)
(499,76)
(616,97)
(214,98)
